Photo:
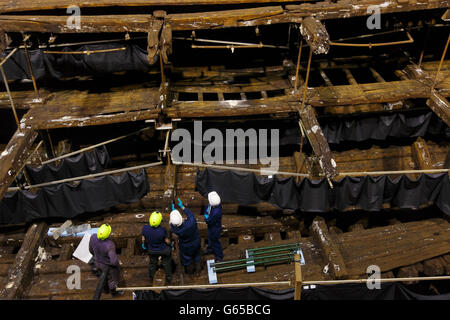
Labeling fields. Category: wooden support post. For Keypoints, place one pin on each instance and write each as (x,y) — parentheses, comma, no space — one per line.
(330,251)
(153,39)
(421,154)
(440,106)
(318,142)
(298,278)
(21,273)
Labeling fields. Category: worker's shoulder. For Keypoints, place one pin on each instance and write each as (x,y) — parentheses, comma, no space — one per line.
(146,228)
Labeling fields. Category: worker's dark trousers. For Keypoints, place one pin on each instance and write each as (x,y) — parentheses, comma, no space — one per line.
(214,246)
(166,262)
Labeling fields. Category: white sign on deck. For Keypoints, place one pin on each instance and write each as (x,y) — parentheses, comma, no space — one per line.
(82,251)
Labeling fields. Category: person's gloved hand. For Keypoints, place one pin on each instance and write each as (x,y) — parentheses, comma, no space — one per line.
(180,204)
(206,216)
(143,246)
(173,206)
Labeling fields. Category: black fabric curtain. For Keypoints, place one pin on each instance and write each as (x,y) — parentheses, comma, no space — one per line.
(388,291)
(68,200)
(398,125)
(89,162)
(57,66)
(368,193)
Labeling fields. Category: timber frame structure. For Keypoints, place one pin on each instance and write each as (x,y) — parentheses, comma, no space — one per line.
(224,62)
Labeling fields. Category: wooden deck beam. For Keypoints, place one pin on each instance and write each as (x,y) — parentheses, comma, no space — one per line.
(191,21)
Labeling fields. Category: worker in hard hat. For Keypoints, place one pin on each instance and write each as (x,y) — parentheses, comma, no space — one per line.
(189,239)
(213,218)
(104,255)
(156,242)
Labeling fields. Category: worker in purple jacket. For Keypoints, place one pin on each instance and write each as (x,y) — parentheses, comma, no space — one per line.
(104,254)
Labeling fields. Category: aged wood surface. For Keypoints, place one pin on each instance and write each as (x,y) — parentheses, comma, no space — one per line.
(198,20)
(330,251)
(318,141)
(15,154)
(396,246)
(440,105)
(20,274)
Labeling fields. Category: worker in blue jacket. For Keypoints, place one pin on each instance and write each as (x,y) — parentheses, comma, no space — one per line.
(189,239)
(213,218)
(155,241)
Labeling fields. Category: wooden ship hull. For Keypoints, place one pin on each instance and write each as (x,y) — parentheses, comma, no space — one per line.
(364,99)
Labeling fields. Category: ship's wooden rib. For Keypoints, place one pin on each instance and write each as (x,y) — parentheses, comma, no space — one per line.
(14,156)
(440,106)
(21,273)
(198,20)
(330,251)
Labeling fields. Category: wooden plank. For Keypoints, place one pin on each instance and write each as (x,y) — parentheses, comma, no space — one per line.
(396,245)
(330,251)
(13,158)
(21,273)
(192,21)
(27,5)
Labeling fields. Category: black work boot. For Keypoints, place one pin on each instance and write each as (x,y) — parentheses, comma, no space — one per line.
(198,268)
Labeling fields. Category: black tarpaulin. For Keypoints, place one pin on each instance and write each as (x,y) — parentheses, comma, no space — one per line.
(89,162)
(387,291)
(398,125)
(57,66)
(368,193)
(67,200)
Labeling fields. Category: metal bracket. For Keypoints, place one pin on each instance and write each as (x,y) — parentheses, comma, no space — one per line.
(212,275)
(251,266)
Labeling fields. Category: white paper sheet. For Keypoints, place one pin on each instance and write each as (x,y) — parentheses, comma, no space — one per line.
(82,251)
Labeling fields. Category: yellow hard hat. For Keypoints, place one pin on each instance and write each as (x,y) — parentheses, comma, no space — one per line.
(104,231)
(155,219)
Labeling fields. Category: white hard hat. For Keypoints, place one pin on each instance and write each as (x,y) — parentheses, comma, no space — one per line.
(175,218)
(213,198)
